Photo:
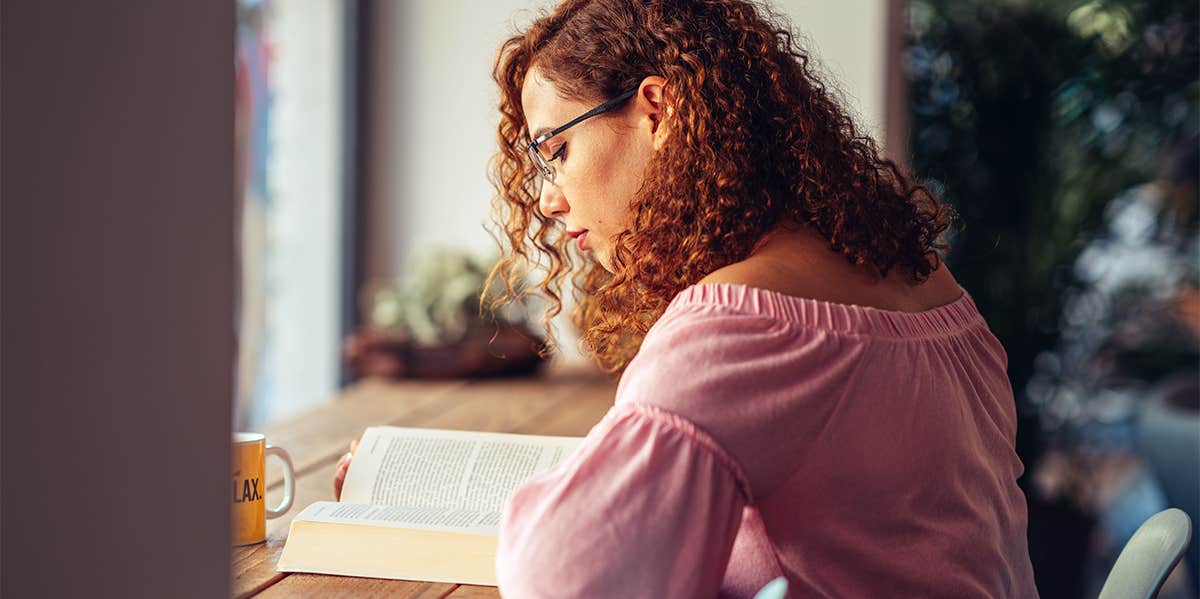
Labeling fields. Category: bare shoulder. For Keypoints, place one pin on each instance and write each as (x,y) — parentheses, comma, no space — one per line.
(747,272)
(809,270)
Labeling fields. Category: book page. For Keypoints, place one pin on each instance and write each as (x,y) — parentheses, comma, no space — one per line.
(435,468)
(420,518)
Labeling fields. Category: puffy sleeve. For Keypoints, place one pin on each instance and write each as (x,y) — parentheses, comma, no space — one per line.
(648,506)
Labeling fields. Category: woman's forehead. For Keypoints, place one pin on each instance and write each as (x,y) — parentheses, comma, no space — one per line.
(544,108)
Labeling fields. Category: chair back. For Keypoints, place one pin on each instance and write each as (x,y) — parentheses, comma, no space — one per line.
(776,589)
(1149,556)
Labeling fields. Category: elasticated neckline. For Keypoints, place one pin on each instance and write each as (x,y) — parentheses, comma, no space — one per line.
(948,319)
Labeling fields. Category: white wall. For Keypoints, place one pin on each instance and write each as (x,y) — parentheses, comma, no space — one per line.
(849,40)
(433,71)
(435,128)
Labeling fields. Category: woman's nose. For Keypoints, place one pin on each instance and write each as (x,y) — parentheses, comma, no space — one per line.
(552,202)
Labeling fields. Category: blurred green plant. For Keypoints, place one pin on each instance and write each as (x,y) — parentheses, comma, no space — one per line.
(438,303)
(1028,117)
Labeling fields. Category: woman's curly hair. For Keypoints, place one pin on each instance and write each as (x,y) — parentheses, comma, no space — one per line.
(756,140)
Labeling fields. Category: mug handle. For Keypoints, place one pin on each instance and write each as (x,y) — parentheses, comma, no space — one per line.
(289,482)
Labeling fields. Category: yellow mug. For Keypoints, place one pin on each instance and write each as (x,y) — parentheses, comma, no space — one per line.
(250,511)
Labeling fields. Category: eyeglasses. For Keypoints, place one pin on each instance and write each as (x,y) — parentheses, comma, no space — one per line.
(542,161)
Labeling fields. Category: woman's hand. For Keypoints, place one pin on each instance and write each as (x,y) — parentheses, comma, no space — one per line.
(339,473)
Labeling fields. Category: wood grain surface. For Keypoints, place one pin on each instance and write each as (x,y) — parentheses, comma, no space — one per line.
(562,402)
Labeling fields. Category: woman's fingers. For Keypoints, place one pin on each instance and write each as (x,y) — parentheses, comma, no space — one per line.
(339,474)
(343,466)
(339,479)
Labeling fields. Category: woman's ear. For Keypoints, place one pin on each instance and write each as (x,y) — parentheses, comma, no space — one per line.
(654,111)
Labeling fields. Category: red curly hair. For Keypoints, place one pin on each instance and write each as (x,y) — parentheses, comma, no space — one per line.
(756,140)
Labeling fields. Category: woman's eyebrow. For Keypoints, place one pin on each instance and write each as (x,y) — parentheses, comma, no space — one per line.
(540,132)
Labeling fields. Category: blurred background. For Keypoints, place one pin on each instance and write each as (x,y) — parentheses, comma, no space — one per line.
(1064,132)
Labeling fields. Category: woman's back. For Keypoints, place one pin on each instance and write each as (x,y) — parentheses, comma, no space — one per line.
(901,449)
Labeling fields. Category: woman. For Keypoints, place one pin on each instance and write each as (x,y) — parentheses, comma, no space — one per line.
(807,392)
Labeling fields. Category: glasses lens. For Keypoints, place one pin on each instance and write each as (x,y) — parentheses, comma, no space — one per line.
(539,162)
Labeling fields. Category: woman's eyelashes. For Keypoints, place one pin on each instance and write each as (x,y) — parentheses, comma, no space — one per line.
(561,152)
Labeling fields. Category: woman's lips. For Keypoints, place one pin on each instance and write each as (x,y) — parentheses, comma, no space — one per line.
(579,236)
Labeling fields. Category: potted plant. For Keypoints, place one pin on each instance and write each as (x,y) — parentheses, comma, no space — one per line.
(431,325)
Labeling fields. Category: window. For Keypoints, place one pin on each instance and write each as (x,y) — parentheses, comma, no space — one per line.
(291,147)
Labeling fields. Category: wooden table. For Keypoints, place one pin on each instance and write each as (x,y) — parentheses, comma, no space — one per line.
(561,403)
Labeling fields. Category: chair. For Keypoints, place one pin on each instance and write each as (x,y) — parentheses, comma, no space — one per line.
(1149,556)
(776,589)
(1169,439)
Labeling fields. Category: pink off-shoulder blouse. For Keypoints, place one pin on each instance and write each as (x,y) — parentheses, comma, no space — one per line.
(859,452)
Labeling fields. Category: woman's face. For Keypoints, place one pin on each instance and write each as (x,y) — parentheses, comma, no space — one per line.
(604,161)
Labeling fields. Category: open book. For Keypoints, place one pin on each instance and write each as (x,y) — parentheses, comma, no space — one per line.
(420,504)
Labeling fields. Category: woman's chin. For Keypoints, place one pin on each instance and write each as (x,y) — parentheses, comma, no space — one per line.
(602,259)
